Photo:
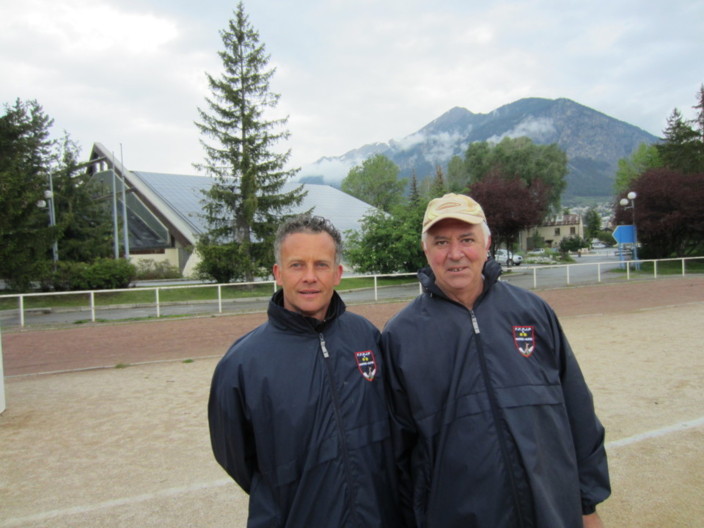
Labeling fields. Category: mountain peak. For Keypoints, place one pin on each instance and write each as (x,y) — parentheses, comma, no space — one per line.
(594,142)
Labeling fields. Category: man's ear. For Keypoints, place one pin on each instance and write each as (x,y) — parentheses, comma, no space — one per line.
(277,273)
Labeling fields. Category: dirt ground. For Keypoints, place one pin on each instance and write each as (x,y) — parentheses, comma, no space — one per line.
(88,444)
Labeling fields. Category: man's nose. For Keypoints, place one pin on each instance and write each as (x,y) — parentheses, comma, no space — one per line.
(455,252)
(309,275)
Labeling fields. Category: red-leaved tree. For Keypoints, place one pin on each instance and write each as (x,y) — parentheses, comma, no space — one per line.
(510,206)
(669,213)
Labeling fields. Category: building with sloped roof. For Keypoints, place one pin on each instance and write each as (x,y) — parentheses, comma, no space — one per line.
(165,211)
(553,230)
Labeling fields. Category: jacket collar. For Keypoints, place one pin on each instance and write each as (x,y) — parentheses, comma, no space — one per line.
(490,272)
(288,320)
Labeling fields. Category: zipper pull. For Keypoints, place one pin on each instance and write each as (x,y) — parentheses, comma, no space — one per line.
(474,321)
(326,354)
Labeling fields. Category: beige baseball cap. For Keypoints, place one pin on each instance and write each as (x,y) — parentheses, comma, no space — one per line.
(458,206)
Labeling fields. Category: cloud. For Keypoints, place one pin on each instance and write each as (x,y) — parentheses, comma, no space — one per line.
(349,72)
(540,128)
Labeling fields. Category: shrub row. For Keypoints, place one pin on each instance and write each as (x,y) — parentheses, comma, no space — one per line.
(102,274)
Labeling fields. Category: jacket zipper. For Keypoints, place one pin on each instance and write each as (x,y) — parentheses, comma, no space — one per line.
(496,415)
(338,419)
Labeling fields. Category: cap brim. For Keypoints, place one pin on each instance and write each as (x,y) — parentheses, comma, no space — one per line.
(467,219)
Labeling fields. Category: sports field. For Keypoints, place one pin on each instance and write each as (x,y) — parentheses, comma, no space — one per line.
(86,444)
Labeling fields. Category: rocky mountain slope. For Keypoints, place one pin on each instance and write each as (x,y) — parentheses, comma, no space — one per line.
(593,141)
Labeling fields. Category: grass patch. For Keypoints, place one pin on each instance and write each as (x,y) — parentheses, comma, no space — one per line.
(122,365)
(187,361)
(171,294)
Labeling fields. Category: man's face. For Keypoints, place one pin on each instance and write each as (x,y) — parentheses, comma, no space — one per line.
(456,252)
(307,273)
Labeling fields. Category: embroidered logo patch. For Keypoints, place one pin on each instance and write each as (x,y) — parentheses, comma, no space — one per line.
(524,339)
(366,364)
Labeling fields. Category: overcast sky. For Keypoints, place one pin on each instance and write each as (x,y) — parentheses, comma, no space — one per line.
(131,73)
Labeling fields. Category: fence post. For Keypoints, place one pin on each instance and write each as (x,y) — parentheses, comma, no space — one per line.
(376,296)
(21,299)
(92,306)
(219,298)
(2,379)
(158,308)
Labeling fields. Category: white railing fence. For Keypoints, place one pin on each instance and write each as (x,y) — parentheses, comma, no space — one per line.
(85,306)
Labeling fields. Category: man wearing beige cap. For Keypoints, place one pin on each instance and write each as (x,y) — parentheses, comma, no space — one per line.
(493,421)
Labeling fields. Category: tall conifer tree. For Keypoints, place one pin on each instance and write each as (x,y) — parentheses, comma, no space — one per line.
(246,202)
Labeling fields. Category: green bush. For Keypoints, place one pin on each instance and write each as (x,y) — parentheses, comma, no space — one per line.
(102,274)
(109,274)
(149,269)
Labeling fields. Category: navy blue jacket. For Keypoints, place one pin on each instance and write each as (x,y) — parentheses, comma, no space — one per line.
(298,419)
(493,421)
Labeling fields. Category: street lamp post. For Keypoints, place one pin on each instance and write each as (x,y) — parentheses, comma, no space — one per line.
(631,199)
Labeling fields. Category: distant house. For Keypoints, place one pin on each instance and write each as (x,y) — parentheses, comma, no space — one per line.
(554,229)
(164,211)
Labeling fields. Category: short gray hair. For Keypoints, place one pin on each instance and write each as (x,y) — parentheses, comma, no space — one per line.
(307,224)
(485,230)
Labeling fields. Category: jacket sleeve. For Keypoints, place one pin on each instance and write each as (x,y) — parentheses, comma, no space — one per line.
(231,434)
(403,432)
(587,431)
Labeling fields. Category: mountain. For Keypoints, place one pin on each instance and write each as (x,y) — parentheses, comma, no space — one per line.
(593,141)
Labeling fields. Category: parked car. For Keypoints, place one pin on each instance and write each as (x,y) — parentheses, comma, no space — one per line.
(537,251)
(508,258)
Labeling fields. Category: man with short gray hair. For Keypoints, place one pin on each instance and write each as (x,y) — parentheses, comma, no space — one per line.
(493,421)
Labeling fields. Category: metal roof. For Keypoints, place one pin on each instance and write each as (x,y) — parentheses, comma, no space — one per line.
(183,194)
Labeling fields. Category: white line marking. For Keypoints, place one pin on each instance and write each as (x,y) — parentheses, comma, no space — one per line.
(655,433)
(170,492)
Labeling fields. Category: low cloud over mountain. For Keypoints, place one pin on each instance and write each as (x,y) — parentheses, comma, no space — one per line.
(594,142)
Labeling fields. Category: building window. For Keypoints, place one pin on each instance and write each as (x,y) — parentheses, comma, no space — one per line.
(557,231)
(573,230)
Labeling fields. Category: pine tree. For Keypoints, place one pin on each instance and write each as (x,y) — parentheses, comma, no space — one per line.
(84,223)
(246,202)
(25,236)
(682,148)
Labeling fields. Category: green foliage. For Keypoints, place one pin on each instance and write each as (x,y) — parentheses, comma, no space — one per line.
(645,157)
(669,213)
(102,274)
(457,178)
(84,223)
(220,262)
(388,242)
(519,158)
(592,223)
(246,202)
(573,243)
(375,182)
(535,241)
(683,148)
(150,269)
(25,152)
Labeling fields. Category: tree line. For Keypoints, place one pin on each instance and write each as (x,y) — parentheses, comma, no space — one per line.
(517,182)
